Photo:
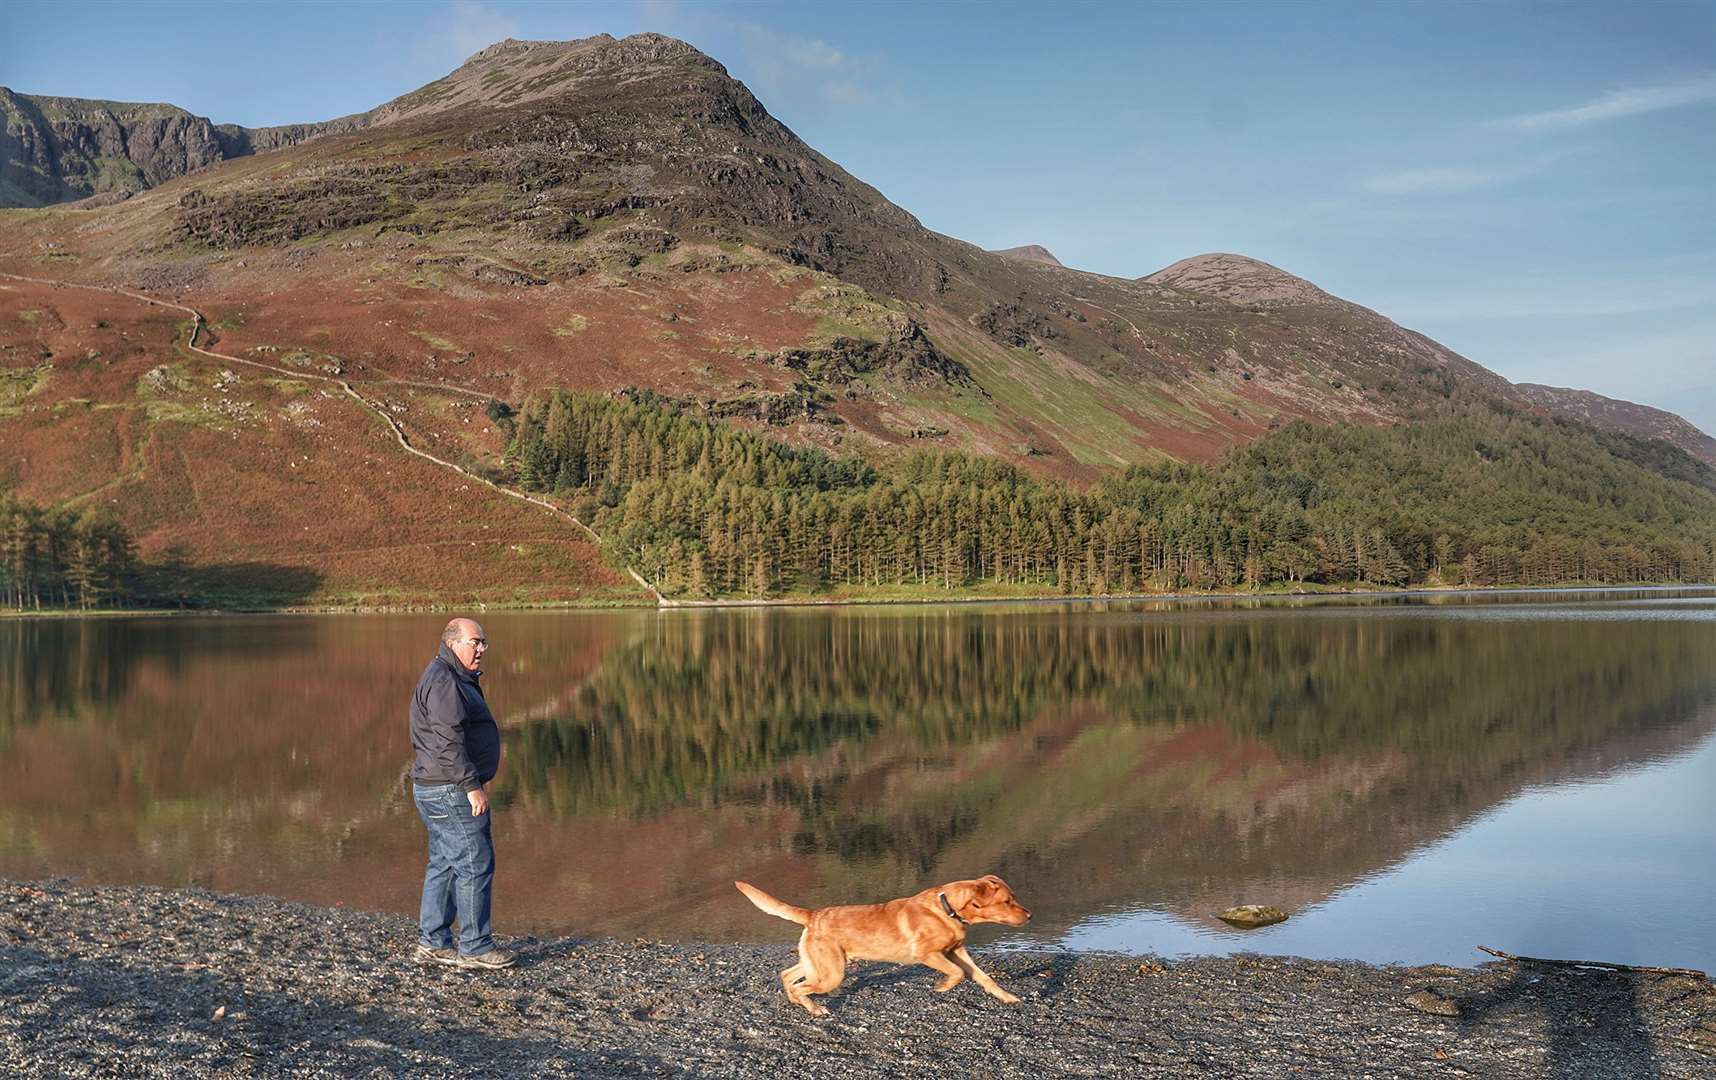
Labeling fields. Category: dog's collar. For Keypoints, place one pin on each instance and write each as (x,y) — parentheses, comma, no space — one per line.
(947,907)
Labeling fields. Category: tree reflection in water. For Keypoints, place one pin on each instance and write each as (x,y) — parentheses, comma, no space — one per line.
(1102,756)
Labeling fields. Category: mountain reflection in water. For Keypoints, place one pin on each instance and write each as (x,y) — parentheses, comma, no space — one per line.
(1123,758)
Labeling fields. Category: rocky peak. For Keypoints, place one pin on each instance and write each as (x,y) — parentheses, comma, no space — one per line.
(1239,280)
(56,149)
(513,72)
(513,47)
(1029,253)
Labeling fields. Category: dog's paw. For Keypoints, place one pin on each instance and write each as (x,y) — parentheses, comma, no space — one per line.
(1006,999)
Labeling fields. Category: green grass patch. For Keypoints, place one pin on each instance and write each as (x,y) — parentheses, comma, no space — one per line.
(30,315)
(193,414)
(971,407)
(846,311)
(573,326)
(1075,409)
(434,342)
(115,174)
(18,384)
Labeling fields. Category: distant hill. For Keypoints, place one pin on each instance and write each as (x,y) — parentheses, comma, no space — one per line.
(1624,416)
(1034,253)
(1238,280)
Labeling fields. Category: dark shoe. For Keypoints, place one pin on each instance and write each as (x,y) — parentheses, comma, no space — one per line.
(494,958)
(426,955)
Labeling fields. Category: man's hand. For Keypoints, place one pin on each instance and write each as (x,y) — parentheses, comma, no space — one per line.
(479,801)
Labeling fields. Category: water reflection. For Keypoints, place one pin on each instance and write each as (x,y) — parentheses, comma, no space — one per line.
(1164,759)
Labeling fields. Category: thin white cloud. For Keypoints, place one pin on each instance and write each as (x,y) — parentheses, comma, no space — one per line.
(846,92)
(1513,300)
(1655,366)
(1441,178)
(1630,101)
(797,67)
(1445,178)
(468,27)
(660,15)
(813,54)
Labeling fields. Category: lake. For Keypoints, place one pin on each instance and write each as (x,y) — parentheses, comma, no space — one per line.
(1410,777)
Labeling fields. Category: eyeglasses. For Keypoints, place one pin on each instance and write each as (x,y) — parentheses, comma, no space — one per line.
(478,640)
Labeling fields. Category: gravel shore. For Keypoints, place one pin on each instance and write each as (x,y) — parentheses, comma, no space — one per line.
(154,982)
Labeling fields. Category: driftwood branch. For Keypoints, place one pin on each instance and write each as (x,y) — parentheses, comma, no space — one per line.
(1594,964)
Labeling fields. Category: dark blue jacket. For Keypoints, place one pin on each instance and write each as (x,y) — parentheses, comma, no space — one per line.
(452,731)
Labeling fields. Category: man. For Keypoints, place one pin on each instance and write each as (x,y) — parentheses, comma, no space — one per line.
(458,752)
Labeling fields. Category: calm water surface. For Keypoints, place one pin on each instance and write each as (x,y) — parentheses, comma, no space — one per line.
(1410,777)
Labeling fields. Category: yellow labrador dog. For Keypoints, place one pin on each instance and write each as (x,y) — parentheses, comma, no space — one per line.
(927,929)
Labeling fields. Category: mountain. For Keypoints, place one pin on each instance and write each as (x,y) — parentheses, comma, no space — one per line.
(553,160)
(1034,253)
(1612,414)
(601,215)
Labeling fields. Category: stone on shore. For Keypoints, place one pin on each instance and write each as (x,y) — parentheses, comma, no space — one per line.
(1429,1001)
(1251,916)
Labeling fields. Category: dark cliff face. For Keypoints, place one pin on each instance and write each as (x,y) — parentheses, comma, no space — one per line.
(61,149)
(55,150)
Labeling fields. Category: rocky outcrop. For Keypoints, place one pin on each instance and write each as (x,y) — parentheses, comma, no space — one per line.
(1013,325)
(908,357)
(283,213)
(239,141)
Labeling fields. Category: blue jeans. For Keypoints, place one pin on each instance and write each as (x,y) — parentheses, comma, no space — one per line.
(461,870)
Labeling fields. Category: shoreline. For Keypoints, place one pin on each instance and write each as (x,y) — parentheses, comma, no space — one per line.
(149,981)
(667,604)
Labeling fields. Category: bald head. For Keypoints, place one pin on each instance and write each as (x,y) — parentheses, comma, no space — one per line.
(465,639)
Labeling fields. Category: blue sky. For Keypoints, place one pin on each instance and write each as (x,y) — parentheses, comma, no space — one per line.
(1534,185)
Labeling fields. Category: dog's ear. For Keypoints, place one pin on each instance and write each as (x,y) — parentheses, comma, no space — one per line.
(963,894)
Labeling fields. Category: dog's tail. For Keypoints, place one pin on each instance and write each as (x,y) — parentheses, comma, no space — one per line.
(774,907)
